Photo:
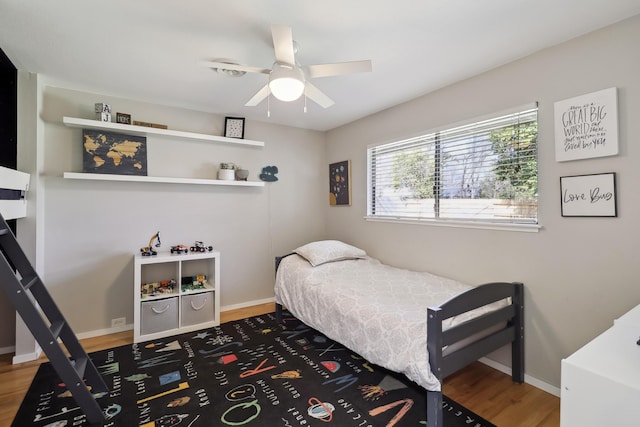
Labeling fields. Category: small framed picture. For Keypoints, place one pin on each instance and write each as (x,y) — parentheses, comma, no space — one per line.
(234,127)
(123,119)
(340,183)
(588,195)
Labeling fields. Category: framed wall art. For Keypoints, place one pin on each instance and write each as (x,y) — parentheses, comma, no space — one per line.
(123,118)
(114,153)
(234,127)
(587,126)
(588,195)
(340,183)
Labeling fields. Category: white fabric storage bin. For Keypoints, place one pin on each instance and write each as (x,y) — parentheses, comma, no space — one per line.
(159,315)
(197,308)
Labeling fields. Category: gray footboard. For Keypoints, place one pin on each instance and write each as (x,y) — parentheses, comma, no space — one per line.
(511,316)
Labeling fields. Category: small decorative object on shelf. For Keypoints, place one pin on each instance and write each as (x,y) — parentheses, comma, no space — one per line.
(268,174)
(179,249)
(234,127)
(198,246)
(226,172)
(124,119)
(148,250)
(242,174)
(149,125)
(103,111)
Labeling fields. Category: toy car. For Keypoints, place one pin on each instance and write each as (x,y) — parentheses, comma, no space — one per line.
(179,249)
(200,247)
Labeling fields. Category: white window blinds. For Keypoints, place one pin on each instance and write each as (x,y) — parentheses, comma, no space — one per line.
(484,171)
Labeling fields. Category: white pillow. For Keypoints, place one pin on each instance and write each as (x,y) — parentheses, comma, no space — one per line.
(324,251)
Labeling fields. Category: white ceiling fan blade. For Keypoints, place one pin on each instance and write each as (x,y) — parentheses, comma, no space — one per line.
(235,67)
(339,68)
(258,97)
(283,44)
(314,94)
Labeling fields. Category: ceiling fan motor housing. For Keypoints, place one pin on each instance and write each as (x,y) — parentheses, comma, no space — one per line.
(286,81)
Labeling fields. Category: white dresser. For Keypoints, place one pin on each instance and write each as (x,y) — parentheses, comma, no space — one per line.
(601,381)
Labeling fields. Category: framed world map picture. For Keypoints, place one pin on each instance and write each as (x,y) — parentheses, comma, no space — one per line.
(113,153)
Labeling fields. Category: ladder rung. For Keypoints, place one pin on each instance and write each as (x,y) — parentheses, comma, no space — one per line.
(30,283)
(56,328)
(80,365)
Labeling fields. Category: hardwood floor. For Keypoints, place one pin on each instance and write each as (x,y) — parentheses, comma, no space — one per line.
(482,389)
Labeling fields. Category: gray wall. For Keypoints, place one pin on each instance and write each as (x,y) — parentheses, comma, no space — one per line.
(92,229)
(579,273)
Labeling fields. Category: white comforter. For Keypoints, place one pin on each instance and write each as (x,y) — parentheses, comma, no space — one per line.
(373,309)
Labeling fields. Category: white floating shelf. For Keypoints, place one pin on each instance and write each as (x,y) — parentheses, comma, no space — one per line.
(160,179)
(144,131)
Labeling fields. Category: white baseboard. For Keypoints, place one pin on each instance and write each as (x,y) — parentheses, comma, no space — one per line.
(247,304)
(527,378)
(27,357)
(7,350)
(107,331)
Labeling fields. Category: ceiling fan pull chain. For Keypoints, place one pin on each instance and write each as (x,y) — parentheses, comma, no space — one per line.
(305,98)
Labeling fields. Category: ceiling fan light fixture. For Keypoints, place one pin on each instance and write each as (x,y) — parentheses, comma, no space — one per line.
(286,82)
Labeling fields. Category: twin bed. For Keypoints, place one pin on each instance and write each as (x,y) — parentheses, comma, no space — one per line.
(415,323)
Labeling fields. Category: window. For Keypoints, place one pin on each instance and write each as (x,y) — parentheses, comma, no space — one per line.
(485,171)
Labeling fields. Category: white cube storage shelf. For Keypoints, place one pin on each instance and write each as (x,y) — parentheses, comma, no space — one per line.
(177,310)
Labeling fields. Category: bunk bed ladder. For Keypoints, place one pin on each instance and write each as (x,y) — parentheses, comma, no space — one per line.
(40,313)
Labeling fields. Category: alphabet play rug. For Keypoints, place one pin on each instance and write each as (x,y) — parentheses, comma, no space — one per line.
(250,372)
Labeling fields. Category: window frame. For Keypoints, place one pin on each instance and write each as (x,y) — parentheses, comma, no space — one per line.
(447,222)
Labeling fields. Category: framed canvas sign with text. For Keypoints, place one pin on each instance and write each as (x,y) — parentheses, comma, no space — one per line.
(587,126)
(589,195)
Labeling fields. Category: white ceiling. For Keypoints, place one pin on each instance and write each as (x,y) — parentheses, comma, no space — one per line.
(150,49)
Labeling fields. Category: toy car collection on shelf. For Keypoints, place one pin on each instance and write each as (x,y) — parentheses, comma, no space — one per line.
(154,289)
(198,246)
(149,250)
(168,287)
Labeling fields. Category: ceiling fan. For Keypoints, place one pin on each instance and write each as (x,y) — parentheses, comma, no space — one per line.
(288,80)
